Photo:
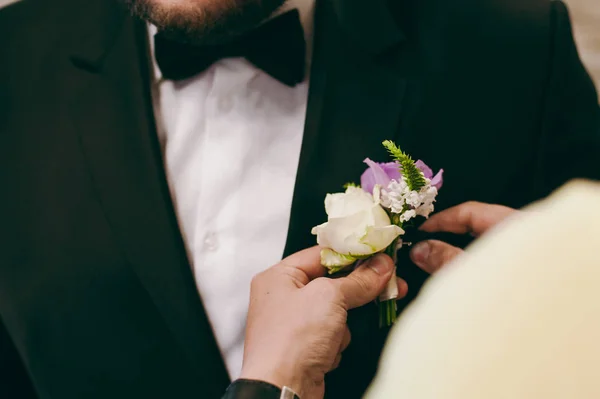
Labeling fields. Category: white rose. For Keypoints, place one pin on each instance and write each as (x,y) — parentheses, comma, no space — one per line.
(357,227)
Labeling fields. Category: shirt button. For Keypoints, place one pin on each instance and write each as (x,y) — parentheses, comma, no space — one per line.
(211,243)
(225,104)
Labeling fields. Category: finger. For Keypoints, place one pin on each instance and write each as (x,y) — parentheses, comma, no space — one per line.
(346,340)
(469,217)
(307,261)
(402,288)
(365,283)
(431,255)
(336,362)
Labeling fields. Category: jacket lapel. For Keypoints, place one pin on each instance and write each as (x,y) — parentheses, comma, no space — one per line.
(355,98)
(113,114)
(362,70)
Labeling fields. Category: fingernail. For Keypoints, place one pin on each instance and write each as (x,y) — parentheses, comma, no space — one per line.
(420,253)
(380,264)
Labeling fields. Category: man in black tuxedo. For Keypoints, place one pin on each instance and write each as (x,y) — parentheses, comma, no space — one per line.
(101,268)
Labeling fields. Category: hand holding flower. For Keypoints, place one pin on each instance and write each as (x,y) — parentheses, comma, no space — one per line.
(370,219)
(296,330)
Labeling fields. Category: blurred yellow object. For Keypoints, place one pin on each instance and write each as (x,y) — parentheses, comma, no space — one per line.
(518,316)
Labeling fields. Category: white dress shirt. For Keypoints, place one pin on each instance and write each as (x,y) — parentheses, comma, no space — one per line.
(231,139)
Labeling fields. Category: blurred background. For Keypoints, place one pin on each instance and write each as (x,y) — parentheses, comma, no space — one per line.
(586,19)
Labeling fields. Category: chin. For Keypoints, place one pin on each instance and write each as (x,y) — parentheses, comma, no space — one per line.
(204,21)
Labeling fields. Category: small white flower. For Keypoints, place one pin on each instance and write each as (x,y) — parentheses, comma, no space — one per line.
(393,196)
(357,227)
(407,215)
(414,199)
(428,198)
(399,199)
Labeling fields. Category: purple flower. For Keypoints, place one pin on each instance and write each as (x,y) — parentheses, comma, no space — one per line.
(437,180)
(379,173)
(383,173)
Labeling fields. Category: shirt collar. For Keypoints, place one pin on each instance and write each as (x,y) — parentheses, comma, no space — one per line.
(306,9)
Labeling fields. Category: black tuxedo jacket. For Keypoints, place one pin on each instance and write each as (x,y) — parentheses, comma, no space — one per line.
(97,299)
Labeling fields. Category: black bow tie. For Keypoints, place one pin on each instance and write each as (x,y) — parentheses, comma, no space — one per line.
(277,47)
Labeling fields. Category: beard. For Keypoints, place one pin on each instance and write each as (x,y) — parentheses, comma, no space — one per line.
(204,21)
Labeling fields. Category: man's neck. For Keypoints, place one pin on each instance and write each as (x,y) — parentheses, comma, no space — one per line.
(306,8)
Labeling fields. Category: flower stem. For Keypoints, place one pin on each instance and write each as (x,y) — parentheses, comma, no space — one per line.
(387,313)
(387,308)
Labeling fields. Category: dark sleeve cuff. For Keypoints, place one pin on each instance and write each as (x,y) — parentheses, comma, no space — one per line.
(252,389)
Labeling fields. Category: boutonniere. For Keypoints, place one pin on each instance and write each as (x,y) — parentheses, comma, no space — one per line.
(372,218)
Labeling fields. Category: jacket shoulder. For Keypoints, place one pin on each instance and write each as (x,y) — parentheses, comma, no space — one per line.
(34,31)
(512,36)
(25,27)
(508,21)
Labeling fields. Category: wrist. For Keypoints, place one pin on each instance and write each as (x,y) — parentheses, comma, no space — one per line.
(278,376)
(242,388)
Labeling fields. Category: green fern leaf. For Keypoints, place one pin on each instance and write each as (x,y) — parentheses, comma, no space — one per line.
(413,175)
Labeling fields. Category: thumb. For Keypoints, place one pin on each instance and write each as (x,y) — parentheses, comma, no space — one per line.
(365,283)
(432,255)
